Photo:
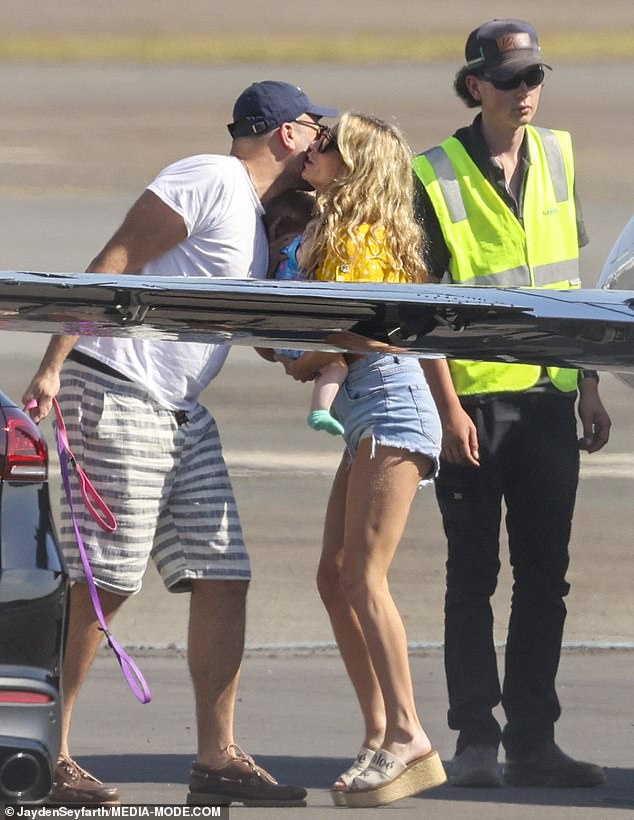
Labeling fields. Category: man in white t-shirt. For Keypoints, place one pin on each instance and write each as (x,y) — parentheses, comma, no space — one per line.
(135,423)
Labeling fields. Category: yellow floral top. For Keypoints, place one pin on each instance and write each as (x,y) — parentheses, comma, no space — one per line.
(368,263)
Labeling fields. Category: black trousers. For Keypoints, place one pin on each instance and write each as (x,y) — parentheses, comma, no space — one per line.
(529,458)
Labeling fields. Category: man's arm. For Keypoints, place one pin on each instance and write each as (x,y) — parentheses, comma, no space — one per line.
(459,435)
(150,229)
(594,417)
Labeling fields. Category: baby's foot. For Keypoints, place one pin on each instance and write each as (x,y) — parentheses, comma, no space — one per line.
(323,420)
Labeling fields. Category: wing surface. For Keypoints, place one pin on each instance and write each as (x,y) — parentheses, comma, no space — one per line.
(618,273)
(589,328)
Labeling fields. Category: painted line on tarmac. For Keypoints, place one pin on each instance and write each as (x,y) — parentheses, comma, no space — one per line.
(330,647)
(21,155)
(246,463)
(258,461)
(413,646)
(613,465)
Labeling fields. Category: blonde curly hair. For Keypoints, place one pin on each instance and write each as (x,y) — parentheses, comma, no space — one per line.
(377,190)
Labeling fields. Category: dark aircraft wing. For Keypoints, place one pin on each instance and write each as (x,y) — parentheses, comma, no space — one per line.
(618,273)
(588,328)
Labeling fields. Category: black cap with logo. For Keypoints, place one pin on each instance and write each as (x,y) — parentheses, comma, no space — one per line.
(500,49)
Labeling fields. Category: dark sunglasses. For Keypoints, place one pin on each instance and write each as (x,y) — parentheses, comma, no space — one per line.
(532,77)
(326,141)
(316,126)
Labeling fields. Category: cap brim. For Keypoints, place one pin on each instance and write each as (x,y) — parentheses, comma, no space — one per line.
(322,111)
(509,68)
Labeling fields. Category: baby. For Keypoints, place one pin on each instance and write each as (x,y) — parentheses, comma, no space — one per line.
(286,217)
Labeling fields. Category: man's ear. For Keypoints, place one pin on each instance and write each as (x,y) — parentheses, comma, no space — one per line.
(471,83)
(287,136)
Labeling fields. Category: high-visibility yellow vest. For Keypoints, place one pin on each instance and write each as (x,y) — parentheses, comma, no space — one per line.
(489,246)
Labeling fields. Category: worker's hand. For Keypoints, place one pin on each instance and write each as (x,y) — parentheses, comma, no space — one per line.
(594,418)
(460,439)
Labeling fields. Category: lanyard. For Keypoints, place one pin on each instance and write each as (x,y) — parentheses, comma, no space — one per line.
(105,519)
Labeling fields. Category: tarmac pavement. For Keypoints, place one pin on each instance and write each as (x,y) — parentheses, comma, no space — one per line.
(297,716)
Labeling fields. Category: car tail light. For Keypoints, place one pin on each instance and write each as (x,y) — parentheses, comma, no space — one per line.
(26,455)
(23,696)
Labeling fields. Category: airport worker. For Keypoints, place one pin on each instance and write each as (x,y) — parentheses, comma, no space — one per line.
(498,203)
(152,449)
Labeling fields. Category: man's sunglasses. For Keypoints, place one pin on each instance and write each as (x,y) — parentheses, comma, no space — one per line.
(318,127)
(532,77)
(326,140)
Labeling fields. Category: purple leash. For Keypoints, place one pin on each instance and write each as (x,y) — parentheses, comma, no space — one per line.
(106,520)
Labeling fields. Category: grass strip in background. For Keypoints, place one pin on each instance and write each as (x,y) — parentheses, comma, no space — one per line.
(596,45)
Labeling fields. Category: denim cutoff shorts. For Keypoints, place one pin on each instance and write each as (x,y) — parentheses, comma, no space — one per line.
(387,398)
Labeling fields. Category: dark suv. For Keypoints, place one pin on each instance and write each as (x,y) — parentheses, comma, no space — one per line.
(33,600)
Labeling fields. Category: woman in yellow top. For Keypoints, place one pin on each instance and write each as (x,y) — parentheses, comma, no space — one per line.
(364,230)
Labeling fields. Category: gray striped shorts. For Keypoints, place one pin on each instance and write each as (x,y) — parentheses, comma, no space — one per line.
(167,486)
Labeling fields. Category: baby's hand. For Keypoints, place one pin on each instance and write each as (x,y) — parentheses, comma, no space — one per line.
(276,257)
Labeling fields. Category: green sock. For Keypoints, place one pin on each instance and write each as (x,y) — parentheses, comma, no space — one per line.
(322,420)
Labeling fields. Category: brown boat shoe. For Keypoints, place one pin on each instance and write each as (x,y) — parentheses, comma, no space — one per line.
(240,781)
(73,785)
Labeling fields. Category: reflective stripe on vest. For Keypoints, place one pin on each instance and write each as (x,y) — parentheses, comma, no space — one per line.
(446,176)
(489,246)
(556,164)
(557,274)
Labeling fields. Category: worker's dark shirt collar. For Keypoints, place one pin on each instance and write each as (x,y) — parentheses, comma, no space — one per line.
(478,149)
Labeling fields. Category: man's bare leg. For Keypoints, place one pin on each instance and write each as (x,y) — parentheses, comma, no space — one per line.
(82,641)
(217,619)
(215,648)
(71,783)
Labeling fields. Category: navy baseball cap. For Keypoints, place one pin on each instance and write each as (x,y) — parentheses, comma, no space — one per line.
(500,49)
(266,105)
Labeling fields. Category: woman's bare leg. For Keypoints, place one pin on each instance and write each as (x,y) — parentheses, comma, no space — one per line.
(380,490)
(345,624)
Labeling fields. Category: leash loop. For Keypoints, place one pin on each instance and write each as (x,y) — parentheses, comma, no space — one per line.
(102,514)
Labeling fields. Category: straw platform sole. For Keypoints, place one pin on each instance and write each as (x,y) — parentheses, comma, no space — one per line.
(421,774)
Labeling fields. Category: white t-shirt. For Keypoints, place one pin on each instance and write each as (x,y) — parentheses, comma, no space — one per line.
(225,237)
